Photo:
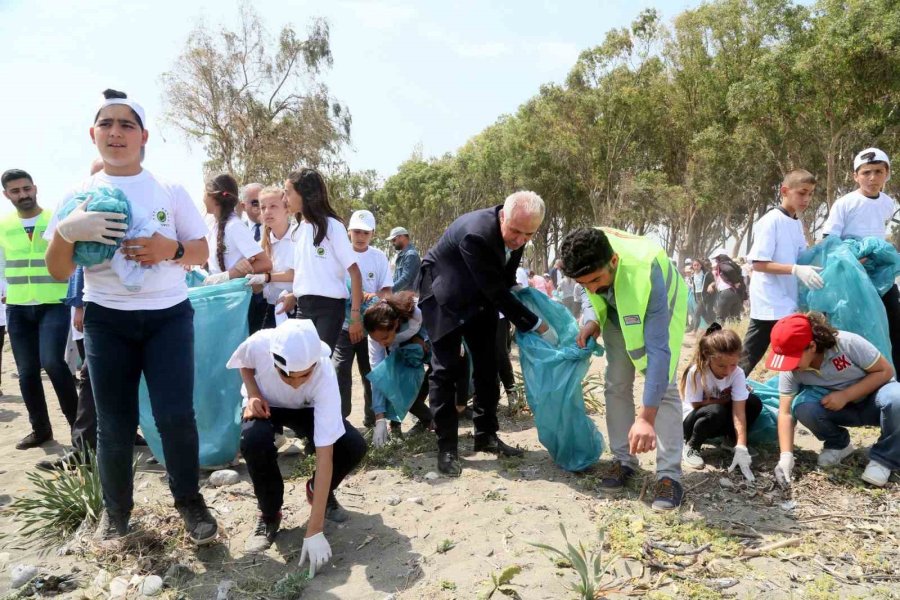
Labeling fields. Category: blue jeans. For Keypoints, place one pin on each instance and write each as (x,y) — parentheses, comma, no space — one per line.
(120,346)
(38,335)
(880,409)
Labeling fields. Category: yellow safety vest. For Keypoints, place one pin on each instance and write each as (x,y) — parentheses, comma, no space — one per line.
(26,270)
(632,292)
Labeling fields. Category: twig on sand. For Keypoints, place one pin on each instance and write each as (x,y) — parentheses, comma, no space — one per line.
(675,551)
(787,543)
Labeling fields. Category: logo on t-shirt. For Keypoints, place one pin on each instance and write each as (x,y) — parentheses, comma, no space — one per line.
(162,215)
(371,275)
(841,362)
(320,251)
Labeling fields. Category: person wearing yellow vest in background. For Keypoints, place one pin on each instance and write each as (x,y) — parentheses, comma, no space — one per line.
(638,301)
(38,321)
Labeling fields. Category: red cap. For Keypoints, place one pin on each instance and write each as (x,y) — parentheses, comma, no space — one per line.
(790,337)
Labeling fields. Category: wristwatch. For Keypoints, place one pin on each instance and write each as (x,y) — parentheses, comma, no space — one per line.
(179,252)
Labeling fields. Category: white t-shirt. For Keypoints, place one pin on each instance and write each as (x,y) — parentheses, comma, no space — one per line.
(2,304)
(322,270)
(239,243)
(282,252)
(375,270)
(733,386)
(179,219)
(320,392)
(855,215)
(776,238)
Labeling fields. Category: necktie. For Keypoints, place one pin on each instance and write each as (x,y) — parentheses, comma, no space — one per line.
(256,232)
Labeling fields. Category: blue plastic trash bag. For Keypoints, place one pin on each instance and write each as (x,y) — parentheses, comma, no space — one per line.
(764,430)
(217,390)
(104,199)
(849,299)
(553,377)
(399,377)
(882,261)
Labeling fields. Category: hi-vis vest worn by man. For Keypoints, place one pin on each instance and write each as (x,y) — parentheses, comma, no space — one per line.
(632,292)
(26,271)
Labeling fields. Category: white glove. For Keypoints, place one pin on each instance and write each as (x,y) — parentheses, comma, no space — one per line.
(84,226)
(258,279)
(217,278)
(809,276)
(783,469)
(550,336)
(742,459)
(317,549)
(379,438)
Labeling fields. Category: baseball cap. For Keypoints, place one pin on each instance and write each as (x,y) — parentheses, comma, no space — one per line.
(397,231)
(688,261)
(790,337)
(362,220)
(296,346)
(870,155)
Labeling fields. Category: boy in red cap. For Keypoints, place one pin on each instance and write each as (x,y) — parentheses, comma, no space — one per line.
(859,390)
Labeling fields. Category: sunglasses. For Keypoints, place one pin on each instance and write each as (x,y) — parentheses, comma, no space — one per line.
(254,203)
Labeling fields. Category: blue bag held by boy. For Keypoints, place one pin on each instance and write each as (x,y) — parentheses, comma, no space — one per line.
(217,390)
(553,377)
(104,199)
(399,378)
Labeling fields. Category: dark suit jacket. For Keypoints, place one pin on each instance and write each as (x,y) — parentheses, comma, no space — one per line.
(466,272)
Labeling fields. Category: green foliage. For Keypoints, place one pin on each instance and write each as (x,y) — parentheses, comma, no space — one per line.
(588,564)
(291,585)
(500,582)
(445,546)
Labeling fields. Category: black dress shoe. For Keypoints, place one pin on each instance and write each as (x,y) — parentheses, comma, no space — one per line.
(448,464)
(70,460)
(491,443)
(34,439)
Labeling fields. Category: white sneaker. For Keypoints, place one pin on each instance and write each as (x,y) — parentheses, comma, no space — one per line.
(876,474)
(692,458)
(829,457)
(280,440)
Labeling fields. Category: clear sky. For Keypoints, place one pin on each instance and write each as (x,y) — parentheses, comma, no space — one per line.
(412,73)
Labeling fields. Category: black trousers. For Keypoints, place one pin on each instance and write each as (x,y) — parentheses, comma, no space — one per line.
(256,313)
(84,430)
(327,314)
(715,420)
(891,302)
(728,305)
(269,318)
(261,456)
(504,347)
(344,354)
(480,335)
(756,342)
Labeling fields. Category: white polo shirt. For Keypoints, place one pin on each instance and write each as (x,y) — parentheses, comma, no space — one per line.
(322,270)
(856,215)
(239,243)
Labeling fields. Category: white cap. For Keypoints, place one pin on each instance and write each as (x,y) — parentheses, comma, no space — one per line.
(689,261)
(296,346)
(870,155)
(395,232)
(362,220)
(137,108)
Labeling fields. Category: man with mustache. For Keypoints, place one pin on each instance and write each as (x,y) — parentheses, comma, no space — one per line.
(38,320)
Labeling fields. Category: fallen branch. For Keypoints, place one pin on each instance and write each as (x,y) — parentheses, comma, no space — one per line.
(675,551)
(751,552)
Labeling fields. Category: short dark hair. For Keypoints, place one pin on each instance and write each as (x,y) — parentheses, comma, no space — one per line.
(111,93)
(584,250)
(12,175)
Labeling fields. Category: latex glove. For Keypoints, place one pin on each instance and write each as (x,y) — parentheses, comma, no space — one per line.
(742,459)
(258,279)
(550,336)
(217,278)
(84,226)
(379,438)
(317,550)
(809,276)
(783,469)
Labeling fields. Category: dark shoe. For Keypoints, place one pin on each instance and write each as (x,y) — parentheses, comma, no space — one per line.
(139,440)
(669,495)
(34,439)
(448,464)
(617,478)
(334,512)
(263,534)
(111,527)
(421,427)
(396,430)
(69,461)
(200,525)
(491,443)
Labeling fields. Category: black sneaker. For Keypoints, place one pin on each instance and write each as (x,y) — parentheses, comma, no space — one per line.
(263,534)
(334,512)
(200,525)
(34,439)
(111,527)
(617,478)
(396,430)
(139,440)
(448,464)
(492,443)
(67,462)
(669,495)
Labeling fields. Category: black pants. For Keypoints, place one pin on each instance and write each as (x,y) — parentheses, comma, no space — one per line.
(342,358)
(261,456)
(269,318)
(256,312)
(84,430)
(891,302)
(756,342)
(2,339)
(728,305)
(327,314)
(715,420)
(504,347)
(480,335)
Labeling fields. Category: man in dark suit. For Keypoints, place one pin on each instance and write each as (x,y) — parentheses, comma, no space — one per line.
(464,280)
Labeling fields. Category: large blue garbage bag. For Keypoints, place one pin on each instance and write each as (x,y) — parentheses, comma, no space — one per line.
(399,377)
(849,298)
(765,429)
(882,261)
(553,377)
(220,325)
(104,199)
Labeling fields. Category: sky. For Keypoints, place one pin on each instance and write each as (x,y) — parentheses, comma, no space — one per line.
(423,74)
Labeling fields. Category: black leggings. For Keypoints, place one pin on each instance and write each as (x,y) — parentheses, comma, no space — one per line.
(891,302)
(715,420)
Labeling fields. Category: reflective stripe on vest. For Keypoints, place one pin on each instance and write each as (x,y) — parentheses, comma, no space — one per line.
(26,268)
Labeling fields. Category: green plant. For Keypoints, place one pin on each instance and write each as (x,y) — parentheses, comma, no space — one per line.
(591,387)
(304,468)
(589,565)
(291,585)
(500,582)
(494,495)
(447,585)
(445,546)
(59,504)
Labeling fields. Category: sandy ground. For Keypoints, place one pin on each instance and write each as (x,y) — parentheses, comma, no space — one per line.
(446,537)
